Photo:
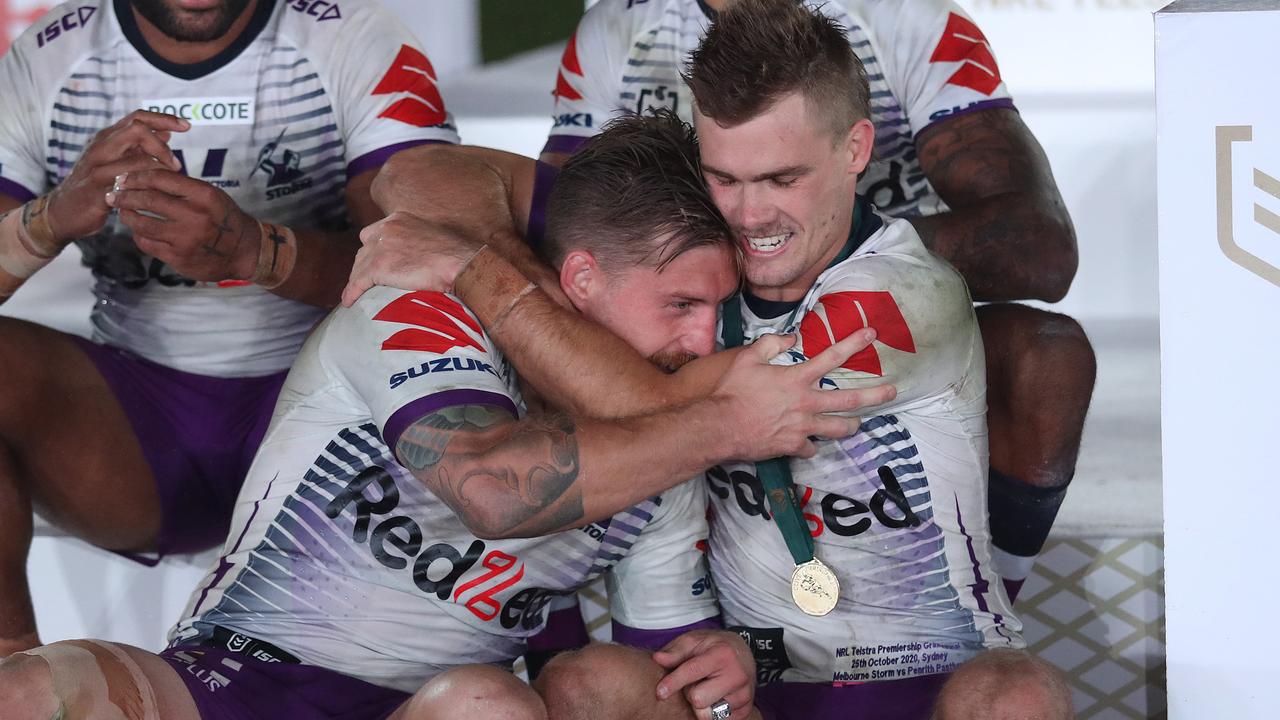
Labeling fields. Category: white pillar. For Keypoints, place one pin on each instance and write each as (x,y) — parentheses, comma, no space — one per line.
(1218,132)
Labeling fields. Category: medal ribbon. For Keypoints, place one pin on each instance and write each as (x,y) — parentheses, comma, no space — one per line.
(775,474)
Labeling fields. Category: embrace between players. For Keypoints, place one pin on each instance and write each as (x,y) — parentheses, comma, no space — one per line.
(796,526)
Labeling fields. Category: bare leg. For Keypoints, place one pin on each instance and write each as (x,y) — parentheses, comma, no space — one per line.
(66,450)
(1040,373)
(92,680)
(476,692)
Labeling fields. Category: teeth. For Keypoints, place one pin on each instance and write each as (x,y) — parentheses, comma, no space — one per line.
(764,244)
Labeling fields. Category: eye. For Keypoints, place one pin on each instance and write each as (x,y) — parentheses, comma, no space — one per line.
(783,182)
(723,181)
(681,305)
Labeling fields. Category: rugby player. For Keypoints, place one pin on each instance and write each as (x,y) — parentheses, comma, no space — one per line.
(899,509)
(349,578)
(953,156)
(208,158)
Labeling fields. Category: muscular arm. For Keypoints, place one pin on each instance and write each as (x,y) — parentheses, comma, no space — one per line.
(543,474)
(1008,231)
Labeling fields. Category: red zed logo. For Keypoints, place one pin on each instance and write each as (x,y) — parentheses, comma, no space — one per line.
(568,63)
(964,43)
(411,73)
(443,319)
(839,315)
(482,604)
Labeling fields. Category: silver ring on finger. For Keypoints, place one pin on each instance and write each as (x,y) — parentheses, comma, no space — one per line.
(721,710)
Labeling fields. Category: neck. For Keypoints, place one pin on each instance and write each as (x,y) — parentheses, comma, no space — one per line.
(189,53)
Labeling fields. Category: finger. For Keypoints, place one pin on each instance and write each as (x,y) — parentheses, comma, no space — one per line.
(372,232)
(736,691)
(167,181)
(676,651)
(358,283)
(853,399)
(689,672)
(807,449)
(140,224)
(767,347)
(133,138)
(163,204)
(835,356)
(834,427)
(150,144)
(152,246)
(156,121)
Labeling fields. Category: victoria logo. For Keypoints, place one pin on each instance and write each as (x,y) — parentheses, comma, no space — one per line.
(1227,137)
(964,43)
(839,315)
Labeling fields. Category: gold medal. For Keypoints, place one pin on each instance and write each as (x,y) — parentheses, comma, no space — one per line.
(814,588)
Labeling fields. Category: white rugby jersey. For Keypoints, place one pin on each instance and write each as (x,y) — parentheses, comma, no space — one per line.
(898,510)
(338,555)
(311,94)
(925,60)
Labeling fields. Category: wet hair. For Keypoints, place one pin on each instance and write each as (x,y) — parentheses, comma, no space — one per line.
(633,195)
(759,51)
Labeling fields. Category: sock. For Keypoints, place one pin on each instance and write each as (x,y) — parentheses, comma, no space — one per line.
(1021,517)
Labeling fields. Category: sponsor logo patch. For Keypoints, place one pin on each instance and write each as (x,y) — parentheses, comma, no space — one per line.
(964,43)
(206,111)
(839,315)
(411,73)
(568,64)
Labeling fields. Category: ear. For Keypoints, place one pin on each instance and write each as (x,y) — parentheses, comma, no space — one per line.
(580,277)
(859,143)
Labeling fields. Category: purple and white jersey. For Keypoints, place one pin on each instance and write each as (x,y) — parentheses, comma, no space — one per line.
(897,510)
(338,555)
(925,60)
(310,95)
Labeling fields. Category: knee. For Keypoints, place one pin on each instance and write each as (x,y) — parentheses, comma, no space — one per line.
(1057,350)
(26,688)
(475,691)
(604,681)
(1005,685)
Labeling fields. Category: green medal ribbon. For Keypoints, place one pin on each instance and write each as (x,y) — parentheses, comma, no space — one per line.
(775,475)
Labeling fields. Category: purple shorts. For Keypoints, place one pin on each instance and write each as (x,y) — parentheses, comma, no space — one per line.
(231,685)
(910,699)
(198,434)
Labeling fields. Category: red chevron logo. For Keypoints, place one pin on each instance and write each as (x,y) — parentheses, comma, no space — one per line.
(443,320)
(839,315)
(568,63)
(411,72)
(964,43)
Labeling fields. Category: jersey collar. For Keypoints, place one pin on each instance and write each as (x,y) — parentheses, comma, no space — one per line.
(194,71)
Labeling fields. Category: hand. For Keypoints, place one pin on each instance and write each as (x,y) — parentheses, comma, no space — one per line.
(194,227)
(138,142)
(778,410)
(407,252)
(709,665)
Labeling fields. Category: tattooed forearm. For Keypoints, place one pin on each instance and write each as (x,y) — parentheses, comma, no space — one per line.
(502,479)
(1008,231)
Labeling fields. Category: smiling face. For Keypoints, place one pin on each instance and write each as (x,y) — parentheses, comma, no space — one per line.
(785,182)
(192,20)
(668,315)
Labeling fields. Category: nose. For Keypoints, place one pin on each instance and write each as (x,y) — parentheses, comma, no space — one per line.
(754,207)
(700,338)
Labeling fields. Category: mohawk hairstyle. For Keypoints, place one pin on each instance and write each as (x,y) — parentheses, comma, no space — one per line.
(758,51)
(633,195)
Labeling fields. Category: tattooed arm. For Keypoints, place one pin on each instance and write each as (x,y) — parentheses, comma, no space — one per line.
(1008,231)
(545,473)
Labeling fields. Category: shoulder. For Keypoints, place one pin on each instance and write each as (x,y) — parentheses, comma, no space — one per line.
(62,36)
(894,273)
(619,21)
(415,320)
(322,28)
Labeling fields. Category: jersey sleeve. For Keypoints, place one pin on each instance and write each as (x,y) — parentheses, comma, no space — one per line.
(926,332)
(662,584)
(386,90)
(939,60)
(22,171)
(410,354)
(586,88)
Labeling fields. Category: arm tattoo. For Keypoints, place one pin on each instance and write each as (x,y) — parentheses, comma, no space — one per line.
(223,227)
(503,479)
(1008,231)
